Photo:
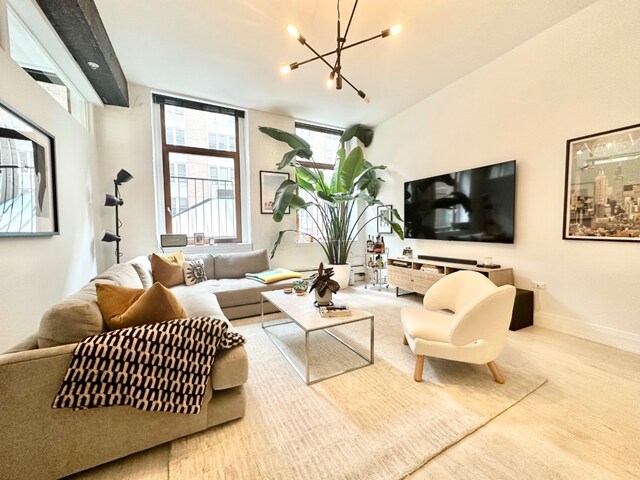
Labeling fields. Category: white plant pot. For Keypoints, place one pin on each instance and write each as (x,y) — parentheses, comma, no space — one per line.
(341,274)
(325,299)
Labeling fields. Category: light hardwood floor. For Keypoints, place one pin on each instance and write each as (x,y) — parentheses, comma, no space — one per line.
(584,423)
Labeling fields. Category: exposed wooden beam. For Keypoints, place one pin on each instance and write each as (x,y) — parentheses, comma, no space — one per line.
(80,27)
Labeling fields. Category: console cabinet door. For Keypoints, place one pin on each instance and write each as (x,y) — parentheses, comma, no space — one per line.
(400,277)
(423,281)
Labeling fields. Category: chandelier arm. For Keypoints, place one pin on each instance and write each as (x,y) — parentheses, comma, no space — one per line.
(346,32)
(332,52)
(355,44)
(344,37)
(349,83)
(318,56)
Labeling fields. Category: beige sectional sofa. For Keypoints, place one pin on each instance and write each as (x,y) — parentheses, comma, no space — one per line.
(238,296)
(41,442)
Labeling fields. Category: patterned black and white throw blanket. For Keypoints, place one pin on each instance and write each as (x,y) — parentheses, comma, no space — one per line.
(160,367)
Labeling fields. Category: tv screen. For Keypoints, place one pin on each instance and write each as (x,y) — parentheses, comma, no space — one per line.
(475,205)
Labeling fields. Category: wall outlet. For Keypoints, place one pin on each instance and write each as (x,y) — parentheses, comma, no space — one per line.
(539,285)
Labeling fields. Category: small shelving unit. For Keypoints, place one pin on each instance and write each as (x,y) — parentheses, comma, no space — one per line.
(376,274)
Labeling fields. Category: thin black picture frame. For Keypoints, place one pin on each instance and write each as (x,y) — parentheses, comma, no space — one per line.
(269,183)
(602,159)
(384,227)
(44,217)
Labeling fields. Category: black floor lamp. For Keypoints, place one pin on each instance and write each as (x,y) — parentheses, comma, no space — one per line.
(116,201)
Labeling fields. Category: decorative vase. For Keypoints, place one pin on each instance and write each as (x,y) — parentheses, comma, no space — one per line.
(325,299)
(341,274)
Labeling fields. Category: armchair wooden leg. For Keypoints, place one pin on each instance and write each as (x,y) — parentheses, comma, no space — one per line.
(417,375)
(404,340)
(497,376)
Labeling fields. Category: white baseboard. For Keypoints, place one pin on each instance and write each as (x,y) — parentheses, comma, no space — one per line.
(589,331)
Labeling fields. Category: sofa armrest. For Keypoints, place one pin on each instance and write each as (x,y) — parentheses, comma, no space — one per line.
(29,343)
(21,356)
(230,368)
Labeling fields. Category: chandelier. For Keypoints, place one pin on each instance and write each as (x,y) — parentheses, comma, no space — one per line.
(335,76)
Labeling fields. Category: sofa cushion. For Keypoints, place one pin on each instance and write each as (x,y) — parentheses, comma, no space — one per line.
(193,272)
(232,292)
(167,269)
(72,319)
(123,307)
(198,300)
(121,274)
(235,265)
(207,259)
(142,266)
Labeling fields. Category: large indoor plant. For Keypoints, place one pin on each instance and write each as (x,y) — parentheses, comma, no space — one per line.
(341,197)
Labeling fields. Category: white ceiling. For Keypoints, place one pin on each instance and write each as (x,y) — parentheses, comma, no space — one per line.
(230,51)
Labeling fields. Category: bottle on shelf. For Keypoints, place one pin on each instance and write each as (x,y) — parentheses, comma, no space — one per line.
(377,246)
(370,243)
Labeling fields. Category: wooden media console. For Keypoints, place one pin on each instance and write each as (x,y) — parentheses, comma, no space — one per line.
(417,275)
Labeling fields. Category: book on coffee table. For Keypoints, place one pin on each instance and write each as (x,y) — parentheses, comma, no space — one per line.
(335,311)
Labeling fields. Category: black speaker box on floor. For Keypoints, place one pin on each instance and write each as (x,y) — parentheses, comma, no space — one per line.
(522,310)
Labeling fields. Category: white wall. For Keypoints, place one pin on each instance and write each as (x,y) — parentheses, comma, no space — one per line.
(38,271)
(577,78)
(124,141)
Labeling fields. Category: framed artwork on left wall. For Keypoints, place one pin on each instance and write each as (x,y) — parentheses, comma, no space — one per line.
(28,202)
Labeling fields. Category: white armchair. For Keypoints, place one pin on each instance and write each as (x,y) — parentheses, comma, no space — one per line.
(465,318)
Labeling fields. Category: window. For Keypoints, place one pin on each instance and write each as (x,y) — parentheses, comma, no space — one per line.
(201,171)
(174,136)
(53,86)
(179,186)
(27,52)
(325,143)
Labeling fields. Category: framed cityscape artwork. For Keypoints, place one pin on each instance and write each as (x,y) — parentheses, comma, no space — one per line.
(602,186)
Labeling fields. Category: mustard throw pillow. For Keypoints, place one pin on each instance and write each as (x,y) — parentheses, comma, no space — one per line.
(167,269)
(123,307)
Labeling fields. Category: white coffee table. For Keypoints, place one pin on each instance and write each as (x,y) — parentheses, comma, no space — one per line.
(301,312)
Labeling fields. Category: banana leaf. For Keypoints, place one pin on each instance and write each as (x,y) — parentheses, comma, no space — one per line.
(335,187)
(350,169)
(288,157)
(291,139)
(362,133)
(286,197)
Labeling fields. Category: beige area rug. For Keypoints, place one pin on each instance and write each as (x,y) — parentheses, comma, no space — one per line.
(371,423)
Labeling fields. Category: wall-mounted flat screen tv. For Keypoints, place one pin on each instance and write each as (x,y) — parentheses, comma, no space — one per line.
(476,205)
